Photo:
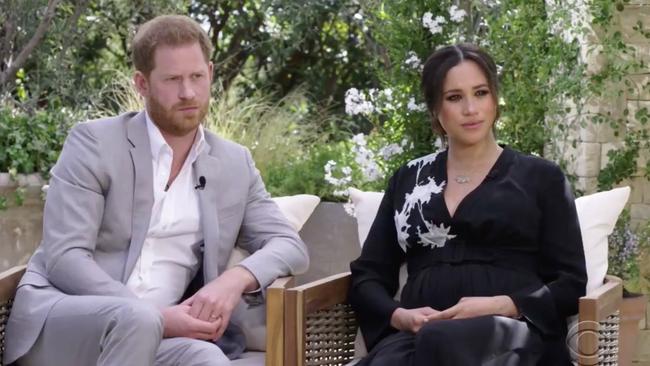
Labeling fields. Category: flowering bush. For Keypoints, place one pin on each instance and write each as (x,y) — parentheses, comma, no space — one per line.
(628,249)
(365,163)
(532,78)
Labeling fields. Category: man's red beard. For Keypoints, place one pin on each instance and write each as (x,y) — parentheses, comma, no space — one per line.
(172,121)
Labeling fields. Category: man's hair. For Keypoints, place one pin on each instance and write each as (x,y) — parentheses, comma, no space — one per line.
(167,30)
(440,62)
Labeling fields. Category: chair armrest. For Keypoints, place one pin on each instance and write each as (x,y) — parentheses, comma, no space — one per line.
(598,323)
(9,282)
(319,324)
(603,301)
(275,303)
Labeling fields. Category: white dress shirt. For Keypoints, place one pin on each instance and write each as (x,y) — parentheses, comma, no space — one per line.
(170,254)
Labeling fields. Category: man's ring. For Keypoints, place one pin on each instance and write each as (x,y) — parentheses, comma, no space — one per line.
(213,317)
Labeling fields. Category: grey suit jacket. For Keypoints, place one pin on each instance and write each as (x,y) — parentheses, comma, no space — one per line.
(97,215)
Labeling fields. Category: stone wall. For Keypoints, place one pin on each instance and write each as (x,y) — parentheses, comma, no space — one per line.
(638,11)
(633,100)
(595,141)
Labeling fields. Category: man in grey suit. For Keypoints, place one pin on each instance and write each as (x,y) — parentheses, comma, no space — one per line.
(138,206)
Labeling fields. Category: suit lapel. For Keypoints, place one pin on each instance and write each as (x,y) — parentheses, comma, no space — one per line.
(208,166)
(142,188)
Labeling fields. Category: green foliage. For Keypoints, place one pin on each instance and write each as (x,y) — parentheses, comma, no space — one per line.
(278,45)
(621,165)
(613,82)
(539,72)
(274,131)
(277,132)
(623,248)
(85,44)
(304,174)
(32,143)
(273,45)
(533,78)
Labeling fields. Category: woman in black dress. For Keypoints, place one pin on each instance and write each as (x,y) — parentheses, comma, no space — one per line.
(490,237)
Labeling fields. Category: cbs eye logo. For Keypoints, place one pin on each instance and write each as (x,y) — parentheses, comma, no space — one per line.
(582,341)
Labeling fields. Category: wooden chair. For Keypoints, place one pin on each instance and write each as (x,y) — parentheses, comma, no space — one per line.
(275,294)
(321,325)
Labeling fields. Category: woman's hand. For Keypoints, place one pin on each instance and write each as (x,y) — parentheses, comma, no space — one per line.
(411,320)
(471,307)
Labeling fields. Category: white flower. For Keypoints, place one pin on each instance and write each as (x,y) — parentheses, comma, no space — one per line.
(390,150)
(329,165)
(413,61)
(343,55)
(365,158)
(337,182)
(492,3)
(434,25)
(414,107)
(341,192)
(371,172)
(372,93)
(436,235)
(439,143)
(271,28)
(359,139)
(388,94)
(349,209)
(455,14)
(356,103)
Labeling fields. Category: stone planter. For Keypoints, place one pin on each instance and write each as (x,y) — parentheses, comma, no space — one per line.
(632,312)
(20,225)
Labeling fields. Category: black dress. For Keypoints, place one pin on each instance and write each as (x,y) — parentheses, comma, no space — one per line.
(516,234)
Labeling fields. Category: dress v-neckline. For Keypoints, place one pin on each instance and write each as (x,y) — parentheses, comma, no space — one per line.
(490,174)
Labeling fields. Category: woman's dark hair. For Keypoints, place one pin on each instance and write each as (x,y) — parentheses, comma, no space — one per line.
(440,62)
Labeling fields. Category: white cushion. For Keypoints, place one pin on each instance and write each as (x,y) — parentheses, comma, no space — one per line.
(598,214)
(366,205)
(252,321)
(296,209)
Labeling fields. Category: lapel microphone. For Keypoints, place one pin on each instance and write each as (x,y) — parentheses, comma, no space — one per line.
(201,184)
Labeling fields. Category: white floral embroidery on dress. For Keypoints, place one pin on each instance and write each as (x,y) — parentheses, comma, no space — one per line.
(427,159)
(435,236)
